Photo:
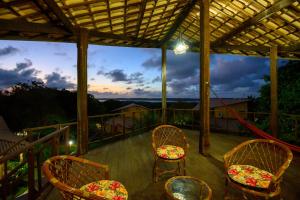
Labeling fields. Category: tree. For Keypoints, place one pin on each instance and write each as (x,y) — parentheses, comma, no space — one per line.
(288,90)
(31,105)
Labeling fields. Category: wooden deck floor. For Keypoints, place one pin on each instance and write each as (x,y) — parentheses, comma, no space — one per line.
(131,160)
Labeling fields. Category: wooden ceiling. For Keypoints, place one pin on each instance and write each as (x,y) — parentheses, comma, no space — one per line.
(247,27)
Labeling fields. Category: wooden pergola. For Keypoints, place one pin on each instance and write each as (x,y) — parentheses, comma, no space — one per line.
(245,27)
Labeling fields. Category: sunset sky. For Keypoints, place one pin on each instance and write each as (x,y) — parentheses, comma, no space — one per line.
(117,72)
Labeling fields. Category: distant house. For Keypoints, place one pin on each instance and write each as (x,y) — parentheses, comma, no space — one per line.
(218,107)
(132,109)
(125,121)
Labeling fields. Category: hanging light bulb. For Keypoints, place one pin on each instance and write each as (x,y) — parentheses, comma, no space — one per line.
(180,47)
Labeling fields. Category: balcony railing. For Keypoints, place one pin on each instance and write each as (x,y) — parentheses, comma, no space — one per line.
(46,141)
(23,166)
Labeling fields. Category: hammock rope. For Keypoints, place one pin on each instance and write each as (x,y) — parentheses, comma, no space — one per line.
(252,127)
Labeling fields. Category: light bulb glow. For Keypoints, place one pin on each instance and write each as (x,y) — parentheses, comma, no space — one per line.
(180,48)
(71,142)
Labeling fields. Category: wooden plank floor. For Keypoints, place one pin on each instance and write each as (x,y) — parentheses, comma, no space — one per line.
(131,161)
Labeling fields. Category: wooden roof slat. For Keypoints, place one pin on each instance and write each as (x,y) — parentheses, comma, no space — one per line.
(184,13)
(266,13)
(60,15)
(246,25)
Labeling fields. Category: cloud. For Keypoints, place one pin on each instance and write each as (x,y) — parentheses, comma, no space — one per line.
(135,78)
(156,79)
(231,76)
(21,74)
(178,66)
(182,73)
(60,54)
(55,80)
(146,93)
(118,75)
(9,50)
(239,77)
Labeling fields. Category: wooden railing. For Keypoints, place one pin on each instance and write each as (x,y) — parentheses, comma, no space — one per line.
(103,127)
(222,120)
(29,158)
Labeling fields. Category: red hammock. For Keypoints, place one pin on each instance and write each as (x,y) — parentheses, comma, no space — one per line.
(260,132)
(253,128)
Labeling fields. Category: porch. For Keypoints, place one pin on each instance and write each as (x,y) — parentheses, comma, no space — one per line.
(130,161)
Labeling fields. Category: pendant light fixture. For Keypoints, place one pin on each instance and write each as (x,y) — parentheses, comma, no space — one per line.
(180,47)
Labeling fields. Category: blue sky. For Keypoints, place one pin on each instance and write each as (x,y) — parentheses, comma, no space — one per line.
(115,72)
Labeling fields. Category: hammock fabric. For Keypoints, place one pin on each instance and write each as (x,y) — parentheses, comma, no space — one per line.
(260,132)
(253,128)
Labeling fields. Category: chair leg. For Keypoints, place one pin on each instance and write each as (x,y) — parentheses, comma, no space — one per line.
(226,189)
(154,171)
(178,169)
(184,171)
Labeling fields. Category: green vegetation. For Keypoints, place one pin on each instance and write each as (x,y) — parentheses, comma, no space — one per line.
(33,105)
(288,102)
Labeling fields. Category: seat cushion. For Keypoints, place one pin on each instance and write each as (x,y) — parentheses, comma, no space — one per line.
(106,188)
(250,176)
(170,152)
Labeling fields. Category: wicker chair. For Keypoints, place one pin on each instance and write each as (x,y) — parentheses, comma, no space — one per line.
(170,136)
(68,174)
(267,155)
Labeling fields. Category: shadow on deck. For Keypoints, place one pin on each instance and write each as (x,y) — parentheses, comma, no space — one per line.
(131,161)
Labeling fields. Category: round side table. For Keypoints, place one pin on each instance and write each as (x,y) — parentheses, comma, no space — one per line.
(187,188)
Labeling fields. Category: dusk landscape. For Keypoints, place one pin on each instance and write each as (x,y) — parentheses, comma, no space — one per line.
(149,100)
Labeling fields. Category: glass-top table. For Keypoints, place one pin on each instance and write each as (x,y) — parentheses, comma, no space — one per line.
(187,188)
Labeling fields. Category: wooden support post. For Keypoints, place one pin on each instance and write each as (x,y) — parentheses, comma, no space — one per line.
(273,84)
(204,76)
(31,177)
(164,83)
(82,116)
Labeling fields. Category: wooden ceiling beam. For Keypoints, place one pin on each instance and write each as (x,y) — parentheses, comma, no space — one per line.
(184,13)
(12,3)
(140,17)
(292,48)
(94,33)
(60,15)
(24,26)
(254,20)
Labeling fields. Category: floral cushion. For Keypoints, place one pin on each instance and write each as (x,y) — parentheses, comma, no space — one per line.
(107,188)
(170,152)
(250,176)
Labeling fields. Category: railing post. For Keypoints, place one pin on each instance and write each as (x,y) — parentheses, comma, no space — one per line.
(39,170)
(31,181)
(124,128)
(133,121)
(67,139)
(193,119)
(174,117)
(296,127)
(4,178)
(55,145)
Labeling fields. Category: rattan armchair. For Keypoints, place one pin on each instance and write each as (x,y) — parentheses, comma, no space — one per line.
(170,136)
(69,174)
(267,155)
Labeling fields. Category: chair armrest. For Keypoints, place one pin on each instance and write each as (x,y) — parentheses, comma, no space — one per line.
(227,156)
